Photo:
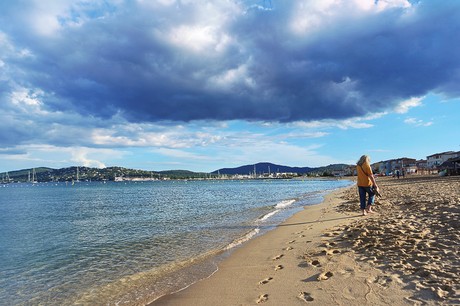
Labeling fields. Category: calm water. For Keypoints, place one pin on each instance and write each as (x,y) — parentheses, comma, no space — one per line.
(96,243)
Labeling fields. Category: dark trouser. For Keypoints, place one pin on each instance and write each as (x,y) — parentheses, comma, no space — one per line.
(362,196)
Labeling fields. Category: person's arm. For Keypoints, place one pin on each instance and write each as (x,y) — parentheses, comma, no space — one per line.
(374,182)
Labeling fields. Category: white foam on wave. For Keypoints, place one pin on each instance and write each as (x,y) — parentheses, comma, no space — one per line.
(284,204)
(278,207)
(265,217)
(243,239)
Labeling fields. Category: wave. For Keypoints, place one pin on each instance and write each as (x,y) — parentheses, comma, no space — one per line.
(265,217)
(278,207)
(242,239)
(284,204)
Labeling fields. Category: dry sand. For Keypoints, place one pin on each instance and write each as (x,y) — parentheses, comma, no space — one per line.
(407,253)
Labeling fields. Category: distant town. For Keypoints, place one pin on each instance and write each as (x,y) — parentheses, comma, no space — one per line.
(445,163)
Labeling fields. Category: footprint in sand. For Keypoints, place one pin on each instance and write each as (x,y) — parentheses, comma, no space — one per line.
(316,263)
(278,256)
(382,281)
(331,252)
(292,241)
(279,267)
(262,298)
(325,276)
(288,248)
(265,281)
(305,296)
(441,293)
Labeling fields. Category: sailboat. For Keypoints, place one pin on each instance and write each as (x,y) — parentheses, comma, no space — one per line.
(34,177)
(78,175)
(6,178)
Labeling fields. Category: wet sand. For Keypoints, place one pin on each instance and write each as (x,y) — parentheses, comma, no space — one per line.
(407,253)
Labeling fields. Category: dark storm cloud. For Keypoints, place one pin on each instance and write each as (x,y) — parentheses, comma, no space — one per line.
(179,63)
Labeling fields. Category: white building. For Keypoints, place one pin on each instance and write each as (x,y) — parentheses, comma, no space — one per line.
(437,159)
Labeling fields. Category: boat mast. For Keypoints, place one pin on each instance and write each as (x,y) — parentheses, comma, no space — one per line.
(34,174)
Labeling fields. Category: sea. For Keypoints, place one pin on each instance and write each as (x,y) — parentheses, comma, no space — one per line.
(129,243)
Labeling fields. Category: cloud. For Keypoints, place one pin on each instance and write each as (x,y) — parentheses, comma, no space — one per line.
(225,60)
(417,122)
(34,155)
(13,151)
(80,156)
(404,106)
(151,135)
(354,123)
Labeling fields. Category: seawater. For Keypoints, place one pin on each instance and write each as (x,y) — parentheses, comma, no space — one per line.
(132,242)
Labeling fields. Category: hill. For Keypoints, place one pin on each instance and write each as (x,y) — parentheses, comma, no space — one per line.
(44,174)
(329,169)
(263,168)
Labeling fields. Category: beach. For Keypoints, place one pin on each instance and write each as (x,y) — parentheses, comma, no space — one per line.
(406,253)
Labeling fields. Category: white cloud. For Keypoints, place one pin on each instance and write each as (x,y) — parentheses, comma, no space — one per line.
(195,38)
(47,17)
(39,155)
(310,16)
(417,122)
(231,77)
(404,106)
(43,15)
(202,30)
(355,123)
(161,2)
(151,135)
(388,4)
(313,134)
(26,97)
(80,156)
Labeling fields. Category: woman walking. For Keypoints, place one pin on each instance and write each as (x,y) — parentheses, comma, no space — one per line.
(366,181)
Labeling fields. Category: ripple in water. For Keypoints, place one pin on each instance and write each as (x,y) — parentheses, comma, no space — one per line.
(94,243)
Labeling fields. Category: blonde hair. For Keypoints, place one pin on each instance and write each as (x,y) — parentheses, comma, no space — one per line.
(363,160)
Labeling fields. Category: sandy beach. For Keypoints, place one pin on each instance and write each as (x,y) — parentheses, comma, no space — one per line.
(407,253)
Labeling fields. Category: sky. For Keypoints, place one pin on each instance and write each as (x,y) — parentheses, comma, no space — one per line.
(202,85)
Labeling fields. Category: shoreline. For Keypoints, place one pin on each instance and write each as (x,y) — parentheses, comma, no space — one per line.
(144,250)
(222,254)
(320,255)
(308,215)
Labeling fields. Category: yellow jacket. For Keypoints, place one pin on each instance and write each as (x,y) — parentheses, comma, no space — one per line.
(364,173)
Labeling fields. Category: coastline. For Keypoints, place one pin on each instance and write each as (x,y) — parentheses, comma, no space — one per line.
(213,260)
(255,264)
(168,237)
(321,254)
